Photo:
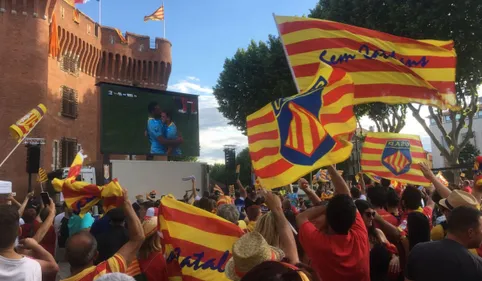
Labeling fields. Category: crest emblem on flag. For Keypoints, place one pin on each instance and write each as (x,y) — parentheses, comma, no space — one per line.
(303,142)
(396,156)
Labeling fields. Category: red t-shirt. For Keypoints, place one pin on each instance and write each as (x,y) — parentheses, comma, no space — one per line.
(338,257)
(427,211)
(467,189)
(48,242)
(154,267)
(388,217)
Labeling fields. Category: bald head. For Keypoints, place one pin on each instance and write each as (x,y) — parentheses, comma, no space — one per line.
(81,249)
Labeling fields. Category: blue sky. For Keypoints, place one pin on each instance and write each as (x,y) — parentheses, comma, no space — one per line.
(203,34)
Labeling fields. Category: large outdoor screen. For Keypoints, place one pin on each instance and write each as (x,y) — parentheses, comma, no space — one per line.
(139,121)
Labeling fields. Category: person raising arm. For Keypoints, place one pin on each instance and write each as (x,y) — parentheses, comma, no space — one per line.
(81,250)
(287,239)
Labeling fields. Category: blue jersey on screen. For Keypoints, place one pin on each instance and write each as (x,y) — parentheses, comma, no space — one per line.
(155,129)
(171,134)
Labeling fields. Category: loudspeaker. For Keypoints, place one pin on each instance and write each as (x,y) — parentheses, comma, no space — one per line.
(33,159)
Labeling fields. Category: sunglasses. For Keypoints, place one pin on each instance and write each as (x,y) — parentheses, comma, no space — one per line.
(370,214)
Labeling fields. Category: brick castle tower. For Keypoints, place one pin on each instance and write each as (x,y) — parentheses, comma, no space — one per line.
(53,54)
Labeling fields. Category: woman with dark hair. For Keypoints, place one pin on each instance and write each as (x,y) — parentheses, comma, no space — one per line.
(280,271)
(383,255)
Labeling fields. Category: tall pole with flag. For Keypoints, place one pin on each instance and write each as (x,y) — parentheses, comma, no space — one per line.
(158,15)
(100,11)
(164,21)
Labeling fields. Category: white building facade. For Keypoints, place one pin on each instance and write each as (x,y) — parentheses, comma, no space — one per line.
(438,159)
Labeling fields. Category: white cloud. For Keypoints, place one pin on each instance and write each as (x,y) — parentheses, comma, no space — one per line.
(191,86)
(214,131)
(193,78)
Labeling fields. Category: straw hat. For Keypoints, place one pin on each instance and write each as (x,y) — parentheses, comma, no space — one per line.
(249,251)
(150,226)
(459,198)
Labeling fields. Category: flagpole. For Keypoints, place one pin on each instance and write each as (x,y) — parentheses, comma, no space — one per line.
(100,12)
(164,21)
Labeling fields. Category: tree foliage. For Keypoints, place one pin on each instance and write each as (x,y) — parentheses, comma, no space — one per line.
(218,171)
(244,160)
(429,19)
(468,154)
(254,77)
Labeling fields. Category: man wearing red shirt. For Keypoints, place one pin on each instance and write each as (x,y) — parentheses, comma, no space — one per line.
(378,198)
(340,249)
(412,202)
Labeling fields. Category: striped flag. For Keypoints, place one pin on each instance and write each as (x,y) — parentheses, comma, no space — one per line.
(157,15)
(80,1)
(42,176)
(81,196)
(76,165)
(197,244)
(385,68)
(442,179)
(374,178)
(290,137)
(394,157)
(323,175)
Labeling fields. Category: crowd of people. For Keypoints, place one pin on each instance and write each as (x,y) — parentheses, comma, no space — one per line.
(340,230)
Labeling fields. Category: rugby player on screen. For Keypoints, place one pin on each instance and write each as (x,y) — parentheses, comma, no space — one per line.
(156,131)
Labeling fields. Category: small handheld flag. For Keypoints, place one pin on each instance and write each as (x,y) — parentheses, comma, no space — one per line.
(238,170)
(42,176)
(25,124)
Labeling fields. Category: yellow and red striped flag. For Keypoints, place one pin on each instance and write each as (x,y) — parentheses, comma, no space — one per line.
(323,176)
(394,157)
(290,137)
(76,165)
(197,243)
(442,179)
(157,15)
(42,176)
(80,196)
(385,68)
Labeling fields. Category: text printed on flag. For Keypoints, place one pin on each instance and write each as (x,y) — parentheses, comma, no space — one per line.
(195,260)
(368,53)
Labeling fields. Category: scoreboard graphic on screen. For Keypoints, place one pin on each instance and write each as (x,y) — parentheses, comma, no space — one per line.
(140,121)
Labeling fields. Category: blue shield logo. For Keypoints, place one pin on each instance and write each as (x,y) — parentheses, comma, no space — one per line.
(396,156)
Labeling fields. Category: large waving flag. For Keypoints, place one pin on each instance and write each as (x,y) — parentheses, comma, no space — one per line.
(385,68)
(197,243)
(290,137)
(81,196)
(394,157)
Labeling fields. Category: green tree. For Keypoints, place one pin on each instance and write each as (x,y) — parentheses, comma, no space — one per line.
(468,154)
(254,77)
(244,160)
(217,172)
(429,19)
(183,158)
